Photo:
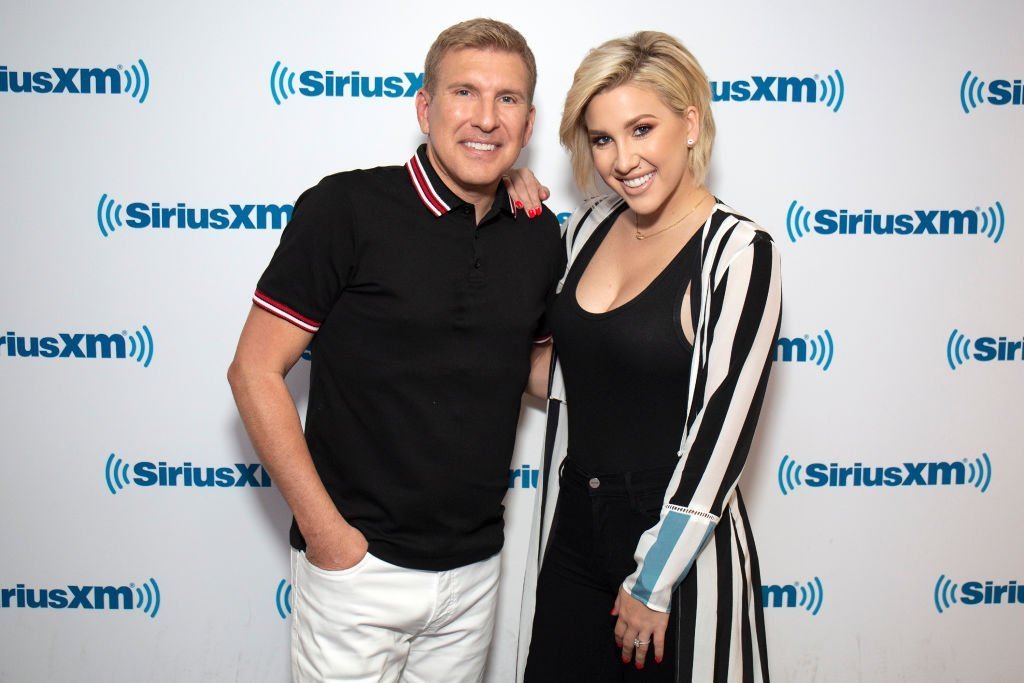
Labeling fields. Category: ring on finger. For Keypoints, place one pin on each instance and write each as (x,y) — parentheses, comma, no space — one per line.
(637,642)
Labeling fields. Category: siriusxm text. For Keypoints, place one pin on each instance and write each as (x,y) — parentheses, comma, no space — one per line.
(189,475)
(65,345)
(1001,349)
(524,477)
(791,349)
(70,597)
(766,89)
(1002,91)
(232,217)
(945,222)
(326,83)
(991,593)
(779,596)
(820,474)
(72,80)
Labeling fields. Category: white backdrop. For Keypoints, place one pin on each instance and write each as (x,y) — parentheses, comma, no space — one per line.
(900,351)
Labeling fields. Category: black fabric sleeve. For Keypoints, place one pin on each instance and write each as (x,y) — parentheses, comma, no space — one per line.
(314,260)
(556,259)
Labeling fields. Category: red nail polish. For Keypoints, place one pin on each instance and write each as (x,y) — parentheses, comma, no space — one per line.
(519,204)
(639,666)
(625,659)
(529,213)
(657,660)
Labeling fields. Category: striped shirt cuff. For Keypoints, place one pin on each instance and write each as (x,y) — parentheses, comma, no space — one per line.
(666,553)
(284,312)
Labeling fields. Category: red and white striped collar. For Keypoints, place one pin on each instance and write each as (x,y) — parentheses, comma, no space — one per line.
(432,191)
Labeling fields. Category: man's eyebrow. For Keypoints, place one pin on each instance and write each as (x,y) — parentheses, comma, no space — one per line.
(512,91)
(475,88)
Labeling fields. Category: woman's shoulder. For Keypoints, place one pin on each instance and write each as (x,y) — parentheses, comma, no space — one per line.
(595,208)
(733,231)
(588,215)
(610,200)
(725,217)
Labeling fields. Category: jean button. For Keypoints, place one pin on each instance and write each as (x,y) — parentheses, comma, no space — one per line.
(595,483)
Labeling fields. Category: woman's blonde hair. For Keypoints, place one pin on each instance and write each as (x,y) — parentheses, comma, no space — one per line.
(651,59)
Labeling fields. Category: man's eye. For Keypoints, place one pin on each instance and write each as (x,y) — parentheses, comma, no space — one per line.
(507,99)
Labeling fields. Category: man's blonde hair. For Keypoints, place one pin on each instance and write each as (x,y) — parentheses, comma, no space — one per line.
(480,34)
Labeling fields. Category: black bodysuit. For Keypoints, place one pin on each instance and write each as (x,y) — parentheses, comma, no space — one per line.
(626,370)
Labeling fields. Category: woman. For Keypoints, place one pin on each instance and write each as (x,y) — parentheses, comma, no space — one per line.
(663,335)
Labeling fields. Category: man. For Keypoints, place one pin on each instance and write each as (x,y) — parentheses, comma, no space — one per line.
(423,291)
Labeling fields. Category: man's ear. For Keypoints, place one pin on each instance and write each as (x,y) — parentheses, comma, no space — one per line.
(423,110)
(528,131)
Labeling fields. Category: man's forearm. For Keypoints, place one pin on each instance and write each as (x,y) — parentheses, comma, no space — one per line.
(272,422)
(540,369)
(267,350)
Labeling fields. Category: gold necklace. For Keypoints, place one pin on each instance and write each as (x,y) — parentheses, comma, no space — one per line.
(641,236)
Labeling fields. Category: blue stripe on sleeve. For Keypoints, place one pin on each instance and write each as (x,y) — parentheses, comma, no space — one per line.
(703,542)
(654,563)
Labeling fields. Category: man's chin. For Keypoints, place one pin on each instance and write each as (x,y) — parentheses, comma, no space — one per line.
(483,180)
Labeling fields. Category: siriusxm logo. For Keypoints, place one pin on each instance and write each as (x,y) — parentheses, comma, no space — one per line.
(313,83)
(964,472)
(829,91)
(117,345)
(988,222)
(974,93)
(145,599)
(972,593)
(524,477)
(960,349)
(818,350)
(283,598)
(141,215)
(808,596)
(79,80)
(119,474)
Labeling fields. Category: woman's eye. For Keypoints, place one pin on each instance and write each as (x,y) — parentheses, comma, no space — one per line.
(600,140)
(641,131)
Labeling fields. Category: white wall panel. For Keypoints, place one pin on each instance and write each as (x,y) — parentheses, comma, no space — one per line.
(863,583)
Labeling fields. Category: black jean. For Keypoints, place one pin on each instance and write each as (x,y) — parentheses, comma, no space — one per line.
(598,521)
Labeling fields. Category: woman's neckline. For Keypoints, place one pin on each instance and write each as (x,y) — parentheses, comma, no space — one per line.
(609,223)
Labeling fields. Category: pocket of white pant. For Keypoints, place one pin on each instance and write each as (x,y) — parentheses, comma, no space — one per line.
(334,573)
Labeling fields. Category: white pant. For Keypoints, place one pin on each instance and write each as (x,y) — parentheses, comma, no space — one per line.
(377,622)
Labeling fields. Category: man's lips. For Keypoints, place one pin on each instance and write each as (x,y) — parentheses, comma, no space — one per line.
(480,146)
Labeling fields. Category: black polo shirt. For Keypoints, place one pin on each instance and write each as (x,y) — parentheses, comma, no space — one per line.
(423,323)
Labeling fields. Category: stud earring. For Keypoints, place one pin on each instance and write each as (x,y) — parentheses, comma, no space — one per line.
(690,142)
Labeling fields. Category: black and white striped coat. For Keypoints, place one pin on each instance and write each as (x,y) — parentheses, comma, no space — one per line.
(703,527)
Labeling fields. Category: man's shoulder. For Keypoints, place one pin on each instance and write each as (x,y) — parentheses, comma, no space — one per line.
(357,186)
(362,178)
